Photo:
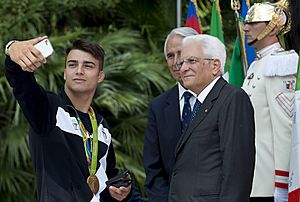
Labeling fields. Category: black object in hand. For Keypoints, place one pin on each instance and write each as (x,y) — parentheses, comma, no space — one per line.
(120,180)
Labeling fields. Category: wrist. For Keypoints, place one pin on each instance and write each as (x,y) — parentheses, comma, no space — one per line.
(7,46)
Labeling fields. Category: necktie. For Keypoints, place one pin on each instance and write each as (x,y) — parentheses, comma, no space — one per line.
(196,109)
(186,112)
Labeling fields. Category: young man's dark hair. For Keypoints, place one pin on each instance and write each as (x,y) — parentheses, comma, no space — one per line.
(92,48)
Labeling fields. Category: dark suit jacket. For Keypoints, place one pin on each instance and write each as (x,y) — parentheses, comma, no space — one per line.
(161,136)
(214,158)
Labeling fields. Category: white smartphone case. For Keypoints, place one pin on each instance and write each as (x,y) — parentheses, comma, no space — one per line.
(44,47)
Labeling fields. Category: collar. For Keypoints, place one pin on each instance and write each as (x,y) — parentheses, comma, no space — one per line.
(182,90)
(201,97)
(65,98)
(268,50)
(71,109)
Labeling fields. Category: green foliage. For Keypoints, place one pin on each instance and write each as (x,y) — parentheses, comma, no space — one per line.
(16,171)
(24,18)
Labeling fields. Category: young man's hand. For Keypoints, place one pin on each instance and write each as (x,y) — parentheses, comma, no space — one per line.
(119,193)
(26,55)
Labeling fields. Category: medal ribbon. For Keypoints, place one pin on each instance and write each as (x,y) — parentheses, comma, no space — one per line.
(91,151)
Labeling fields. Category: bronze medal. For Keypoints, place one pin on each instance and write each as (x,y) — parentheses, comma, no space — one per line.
(93,183)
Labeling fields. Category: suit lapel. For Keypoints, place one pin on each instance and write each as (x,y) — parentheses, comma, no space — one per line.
(171,112)
(203,112)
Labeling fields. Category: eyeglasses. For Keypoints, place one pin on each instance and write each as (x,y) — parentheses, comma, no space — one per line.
(190,61)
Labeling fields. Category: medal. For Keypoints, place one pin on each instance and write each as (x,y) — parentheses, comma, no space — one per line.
(93,183)
(91,150)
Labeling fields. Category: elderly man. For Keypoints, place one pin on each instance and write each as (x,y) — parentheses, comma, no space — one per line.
(165,123)
(214,157)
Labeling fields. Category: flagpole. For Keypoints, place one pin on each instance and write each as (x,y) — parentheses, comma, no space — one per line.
(178,13)
(236,6)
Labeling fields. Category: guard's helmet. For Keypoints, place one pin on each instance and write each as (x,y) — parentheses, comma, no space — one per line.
(274,14)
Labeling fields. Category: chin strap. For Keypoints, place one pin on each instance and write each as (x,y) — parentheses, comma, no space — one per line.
(277,20)
(252,42)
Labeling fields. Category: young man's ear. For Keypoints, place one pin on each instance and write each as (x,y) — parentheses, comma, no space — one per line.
(101,76)
(65,74)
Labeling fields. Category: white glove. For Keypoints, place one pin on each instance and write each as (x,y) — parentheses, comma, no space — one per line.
(280,195)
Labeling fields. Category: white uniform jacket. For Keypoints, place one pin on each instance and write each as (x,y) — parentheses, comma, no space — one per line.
(270,84)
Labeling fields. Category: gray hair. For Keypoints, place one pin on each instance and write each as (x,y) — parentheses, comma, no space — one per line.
(180,31)
(211,46)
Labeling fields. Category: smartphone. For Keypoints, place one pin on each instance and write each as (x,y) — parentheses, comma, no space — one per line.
(44,47)
(121,180)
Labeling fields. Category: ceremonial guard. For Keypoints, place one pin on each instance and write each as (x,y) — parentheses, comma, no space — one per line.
(270,84)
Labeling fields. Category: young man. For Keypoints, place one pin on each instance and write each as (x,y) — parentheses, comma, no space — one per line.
(214,157)
(164,123)
(70,144)
(270,84)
